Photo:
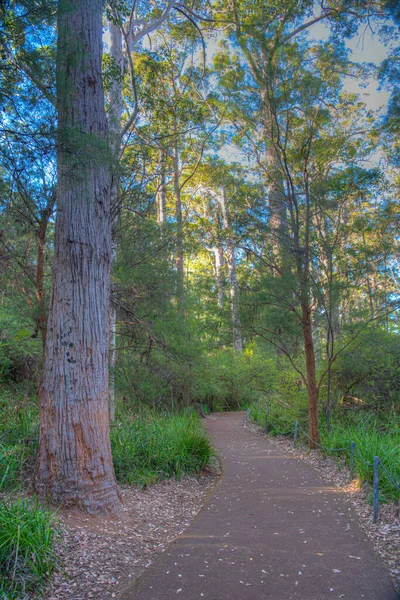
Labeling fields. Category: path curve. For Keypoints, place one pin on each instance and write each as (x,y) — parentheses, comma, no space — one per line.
(271,530)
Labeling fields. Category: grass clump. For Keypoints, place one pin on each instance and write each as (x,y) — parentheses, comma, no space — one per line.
(154,446)
(19,428)
(27,558)
(372,439)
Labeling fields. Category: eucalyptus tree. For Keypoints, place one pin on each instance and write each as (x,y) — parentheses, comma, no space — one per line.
(74,465)
(177,123)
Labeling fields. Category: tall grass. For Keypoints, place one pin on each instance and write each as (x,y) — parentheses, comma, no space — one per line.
(373,437)
(27,558)
(18,439)
(155,446)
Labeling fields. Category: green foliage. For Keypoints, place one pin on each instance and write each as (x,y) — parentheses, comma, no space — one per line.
(18,436)
(27,558)
(283,397)
(19,352)
(374,437)
(370,371)
(150,446)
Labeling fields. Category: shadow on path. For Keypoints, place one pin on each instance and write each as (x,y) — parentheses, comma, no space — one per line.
(271,530)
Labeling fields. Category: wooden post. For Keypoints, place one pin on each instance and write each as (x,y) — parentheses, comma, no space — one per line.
(376,489)
(352,449)
(296,430)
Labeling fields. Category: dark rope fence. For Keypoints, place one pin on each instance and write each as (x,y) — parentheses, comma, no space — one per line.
(352,449)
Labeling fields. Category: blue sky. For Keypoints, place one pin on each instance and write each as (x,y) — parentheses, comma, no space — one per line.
(365,47)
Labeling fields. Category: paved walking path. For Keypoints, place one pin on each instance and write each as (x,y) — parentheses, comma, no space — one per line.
(271,530)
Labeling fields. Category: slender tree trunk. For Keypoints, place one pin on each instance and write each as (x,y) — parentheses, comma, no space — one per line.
(233,287)
(179,228)
(218,263)
(41,320)
(162,191)
(330,339)
(312,388)
(303,269)
(41,249)
(114,120)
(74,464)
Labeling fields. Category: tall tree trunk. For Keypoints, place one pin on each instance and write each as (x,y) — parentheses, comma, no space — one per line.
(41,320)
(233,282)
(218,263)
(41,249)
(179,227)
(114,120)
(274,179)
(303,270)
(312,388)
(162,191)
(74,464)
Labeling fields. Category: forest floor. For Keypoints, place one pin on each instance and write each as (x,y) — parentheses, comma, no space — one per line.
(99,556)
(273,529)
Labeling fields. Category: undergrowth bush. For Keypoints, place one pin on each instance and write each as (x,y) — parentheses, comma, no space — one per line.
(373,438)
(18,437)
(153,446)
(27,557)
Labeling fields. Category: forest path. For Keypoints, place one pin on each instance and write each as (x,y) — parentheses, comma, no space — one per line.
(272,529)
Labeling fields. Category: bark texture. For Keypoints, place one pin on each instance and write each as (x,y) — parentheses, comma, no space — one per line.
(114,121)
(74,462)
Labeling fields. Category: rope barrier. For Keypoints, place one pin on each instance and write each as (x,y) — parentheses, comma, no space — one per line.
(320,445)
(353,446)
(362,458)
(397,486)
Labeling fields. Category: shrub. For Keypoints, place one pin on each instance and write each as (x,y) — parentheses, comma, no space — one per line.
(27,558)
(154,446)
(18,437)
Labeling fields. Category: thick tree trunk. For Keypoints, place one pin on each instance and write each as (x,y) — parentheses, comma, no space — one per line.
(74,464)
(277,200)
(114,120)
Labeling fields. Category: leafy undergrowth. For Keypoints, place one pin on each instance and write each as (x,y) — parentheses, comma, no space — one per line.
(154,446)
(18,437)
(27,535)
(372,438)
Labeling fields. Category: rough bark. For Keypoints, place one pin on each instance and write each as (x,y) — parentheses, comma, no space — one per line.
(74,464)
(114,121)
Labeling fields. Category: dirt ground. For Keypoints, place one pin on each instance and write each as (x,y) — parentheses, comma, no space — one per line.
(101,555)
